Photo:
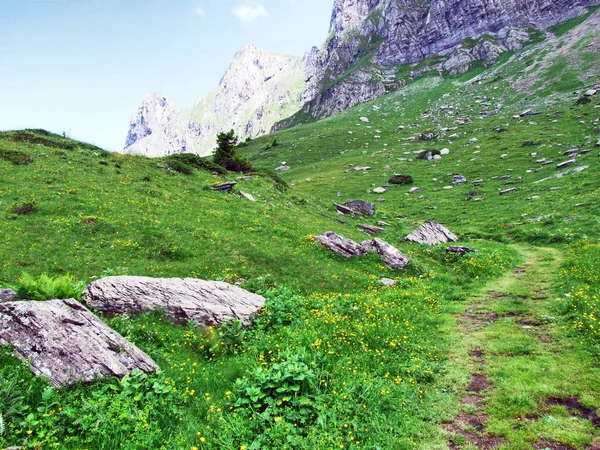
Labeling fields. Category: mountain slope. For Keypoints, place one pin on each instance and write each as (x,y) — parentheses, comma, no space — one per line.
(256,91)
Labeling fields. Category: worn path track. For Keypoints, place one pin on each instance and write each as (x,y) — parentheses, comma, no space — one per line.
(530,385)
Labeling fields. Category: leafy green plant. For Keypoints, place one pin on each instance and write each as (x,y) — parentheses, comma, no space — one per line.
(49,288)
(232,335)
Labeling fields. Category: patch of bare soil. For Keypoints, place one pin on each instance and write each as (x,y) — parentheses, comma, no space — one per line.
(576,408)
(479,383)
(543,445)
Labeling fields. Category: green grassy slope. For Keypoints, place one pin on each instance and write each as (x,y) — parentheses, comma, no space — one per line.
(335,360)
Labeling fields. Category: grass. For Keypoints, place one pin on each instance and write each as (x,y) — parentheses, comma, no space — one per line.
(335,360)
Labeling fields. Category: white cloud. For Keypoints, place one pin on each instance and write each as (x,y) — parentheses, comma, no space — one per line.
(249,11)
(199,11)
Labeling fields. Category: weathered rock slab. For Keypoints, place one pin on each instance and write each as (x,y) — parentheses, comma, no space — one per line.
(65,342)
(390,255)
(344,209)
(7,295)
(460,250)
(371,229)
(431,233)
(360,206)
(206,303)
(224,187)
(340,245)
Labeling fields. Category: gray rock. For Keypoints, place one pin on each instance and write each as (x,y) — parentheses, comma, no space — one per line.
(431,233)
(361,206)
(458,179)
(527,112)
(282,169)
(247,196)
(379,190)
(388,282)
(224,187)
(345,210)
(63,341)
(590,92)
(566,164)
(206,303)
(508,191)
(414,190)
(7,295)
(390,255)
(340,245)
(371,229)
(459,250)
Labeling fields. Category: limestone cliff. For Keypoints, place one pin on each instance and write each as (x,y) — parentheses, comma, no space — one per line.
(377,45)
(256,91)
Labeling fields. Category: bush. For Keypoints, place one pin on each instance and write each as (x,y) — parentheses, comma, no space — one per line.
(186,162)
(225,154)
(401,179)
(48,288)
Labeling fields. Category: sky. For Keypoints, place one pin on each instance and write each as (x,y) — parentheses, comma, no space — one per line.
(84,66)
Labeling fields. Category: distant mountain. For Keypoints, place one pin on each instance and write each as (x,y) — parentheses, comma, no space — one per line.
(256,91)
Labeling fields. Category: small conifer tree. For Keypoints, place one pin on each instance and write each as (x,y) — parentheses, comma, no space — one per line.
(225,152)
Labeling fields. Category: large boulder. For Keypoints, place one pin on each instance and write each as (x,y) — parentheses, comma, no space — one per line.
(431,233)
(206,303)
(63,341)
(341,245)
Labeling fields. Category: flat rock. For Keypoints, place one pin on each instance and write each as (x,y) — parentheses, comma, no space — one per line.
(360,206)
(458,179)
(431,233)
(460,250)
(224,187)
(414,190)
(527,112)
(247,196)
(381,223)
(361,168)
(282,169)
(389,254)
(388,282)
(7,295)
(371,229)
(379,190)
(340,245)
(590,92)
(344,209)
(566,164)
(206,303)
(508,191)
(63,341)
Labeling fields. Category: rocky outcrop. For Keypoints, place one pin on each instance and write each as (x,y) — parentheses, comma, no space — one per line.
(390,255)
(7,295)
(256,91)
(431,233)
(341,245)
(206,303)
(370,38)
(65,342)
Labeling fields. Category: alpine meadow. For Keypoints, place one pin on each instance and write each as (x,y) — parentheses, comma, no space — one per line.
(327,320)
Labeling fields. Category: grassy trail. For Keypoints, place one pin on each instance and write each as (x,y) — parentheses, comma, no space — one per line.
(527,383)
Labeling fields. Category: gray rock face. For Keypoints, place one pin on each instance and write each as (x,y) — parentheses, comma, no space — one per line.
(360,206)
(398,32)
(7,295)
(256,91)
(66,343)
(390,255)
(431,233)
(206,303)
(341,245)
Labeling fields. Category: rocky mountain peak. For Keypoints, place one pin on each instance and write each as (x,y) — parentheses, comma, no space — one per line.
(154,113)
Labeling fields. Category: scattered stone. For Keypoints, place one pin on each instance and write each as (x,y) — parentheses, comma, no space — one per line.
(447,188)
(429,136)
(472,140)
(340,245)
(566,164)
(371,229)
(388,282)
(361,206)
(381,223)
(445,151)
(361,169)
(379,190)
(247,196)
(206,303)
(414,190)
(508,191)
(364,119)
(527,112)
(390,255)
(224,187)
(590,92)
(7,295)
(345,210)
(458,179)
(571,153)
(598,144)
(459,250)
(63,341)
(282,169)
(431,233)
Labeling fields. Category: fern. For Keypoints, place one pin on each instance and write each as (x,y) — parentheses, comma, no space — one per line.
(48,288)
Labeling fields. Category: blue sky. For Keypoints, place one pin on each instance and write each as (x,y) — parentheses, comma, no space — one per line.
(83,66)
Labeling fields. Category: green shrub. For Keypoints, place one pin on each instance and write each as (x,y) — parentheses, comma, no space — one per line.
(186,162)
(48,288)
(24,208)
